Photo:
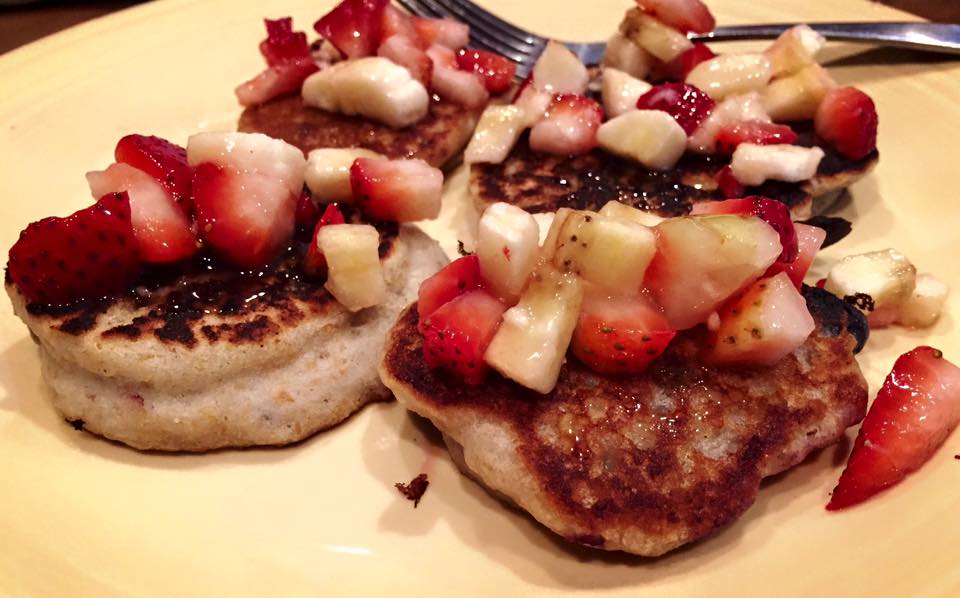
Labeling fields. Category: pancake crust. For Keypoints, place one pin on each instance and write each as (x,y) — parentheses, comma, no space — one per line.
(647,463)
(437,139)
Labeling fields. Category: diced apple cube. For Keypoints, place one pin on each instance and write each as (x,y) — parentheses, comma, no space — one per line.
(626,56)
(615,209)
(651,137)
(354,275)
(507,247)
(731,74)
(621,91)
(797,96)
(327,174)
(887,276)
(558,70)
(532,341)
(925,303)
(663,41)
(496,134)
(250,153)
(753,164)
(739,108)
(796,48)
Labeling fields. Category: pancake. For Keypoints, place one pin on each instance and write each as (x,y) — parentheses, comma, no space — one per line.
(205,357)
(437,139)
(540,182)
(647,463)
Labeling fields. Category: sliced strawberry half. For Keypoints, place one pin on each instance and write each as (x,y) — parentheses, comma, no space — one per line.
(355,27)
(619,335)
(685,103)
(276,81)
(685,15)
(399,190)
(454,279)
(914,412)
(314,262)
(568,127)
(496,71)
(451,83)
(728,184)
(406,52)
(773,212)
(847,119)
(397,22)
(164,161)
(446,32)
(163,231)
(760,133)
(809,241)
(456,335)
(247,217)
(678,68)
(91,253)
(283,44)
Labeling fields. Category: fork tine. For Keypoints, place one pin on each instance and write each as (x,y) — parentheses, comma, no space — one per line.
(470,13)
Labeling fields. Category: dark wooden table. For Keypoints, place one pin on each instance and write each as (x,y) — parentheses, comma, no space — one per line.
(24,23)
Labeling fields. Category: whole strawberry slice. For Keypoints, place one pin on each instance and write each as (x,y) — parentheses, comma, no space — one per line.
(773,212)
(283,44)
(497,72)
(914,412)
(688,105)
(399,190)
(91,253)
(314,263)
(164,161)
(568,127)
(847,119)
(355,27)
(456,278)
(760,133)
(456,335)
(685,15)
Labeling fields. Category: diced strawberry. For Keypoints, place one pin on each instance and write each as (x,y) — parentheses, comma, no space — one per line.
(773,212)
(247,217)
(355,27)
(527,81)
(163,231)
(275,81)
(397,22)
(400,190)
(619,335)
(456,335)
(760,133)
(314,262)
(451,83)
(914,412)
(809,241)
(404,51)
(307,214)
(728,184)
(678,68)
(283,44)
(685,103)
(446,32)
(91,253)
(569,126)
(496,71)
(685,15)
(821,283)
(164,161)
(456,278)
(847,119)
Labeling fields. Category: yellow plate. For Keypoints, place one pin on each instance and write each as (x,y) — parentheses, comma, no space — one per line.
(81,516)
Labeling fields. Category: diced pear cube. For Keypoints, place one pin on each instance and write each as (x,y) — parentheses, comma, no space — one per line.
(731,74)
(354,275)
(531,343)
(621,91)
(651,137)
(925,303)
(615,209)
(507,247)
(626,56)
(495,135)
(797,96)
(663,41)
(558,70)
(753,164)
(795,49)
(887,276)
(328,172)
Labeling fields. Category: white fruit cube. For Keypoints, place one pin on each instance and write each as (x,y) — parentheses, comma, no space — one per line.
(327,174)
(615,209)
(796,48)
(548,246)
(651,137)
(496,134)
(746,107)
(731,74)
(887,276)
(534,103)
(354,275)
(558,70)
(507,247)
(531,343)
(250,153)
(753,164)
(923,306)
(626,56)
(621,91)
(663,41)
(797,96)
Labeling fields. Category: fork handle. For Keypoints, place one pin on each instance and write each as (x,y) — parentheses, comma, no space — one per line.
(940,37)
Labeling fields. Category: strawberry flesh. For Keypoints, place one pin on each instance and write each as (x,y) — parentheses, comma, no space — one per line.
(728,184)
(773,212)
(678,68)
(164,161)
(275,81)
(914,412)
(308,212)
(456,335)
(354,27)
(760,133)
(809,241)
(398,190)
(446,32)
(283,44)
(91,253)
(454,279)
(568,127)
(847,119)
(314,263)
(496,71)
(406,52)
(684,15)
(397,22)
(685,103)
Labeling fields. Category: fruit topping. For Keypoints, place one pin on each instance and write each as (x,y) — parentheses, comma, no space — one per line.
(446,32)
(728,185)
(397,22)
(496,133)
(355,27)
(400,190)
(685,103)
(451,83)
(651,137)
(91,253)
(758,133)
(406,52)
(164,161)
(796,48)
(619,334)
(569,126)
(533,102)
(328,172)
(621,91)
(456,278)
(809,241)
(847,119)
(678,68)
(314,262)
(731,74)
(496,71)
(657,38)
(732,110)
(925,303)
(250,153)
(620,211)
(684,15)
(508,248)
(307,213)
(796,97)
(774,213)
(753,164)
(456,335)
(887,277)
(354,274)
(558,70)
(283,44)
(275,81)
(914,412)
(627,56)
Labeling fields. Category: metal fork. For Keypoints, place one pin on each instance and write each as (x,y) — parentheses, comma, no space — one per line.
(490,32)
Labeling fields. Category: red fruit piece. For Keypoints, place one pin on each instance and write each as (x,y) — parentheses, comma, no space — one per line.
(569,126)
(527,81)
(307,212)
(685,103)
(451,83)
(496,71)
(355,27)
(397,22)
(446,32)
(454,279)
(730,136)
(809,241)
(91,253)
(164,161)
(678,68)
(275,81)
(399,190)
(247,217)
(773,212)
(685,15)
(456,335)
(314,262)
(728,184)
(619,335)
(406,52)
(283,44)
(914,412)
(847,119)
